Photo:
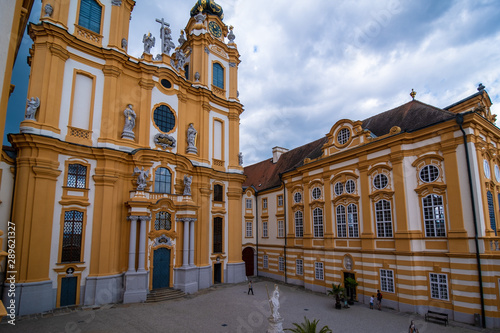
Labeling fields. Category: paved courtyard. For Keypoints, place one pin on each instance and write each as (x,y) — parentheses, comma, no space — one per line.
(228,308)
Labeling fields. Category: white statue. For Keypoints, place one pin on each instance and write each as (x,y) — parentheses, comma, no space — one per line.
(149,42)
(191,139)
(128,128)
(187,184)
(274,301)
(33,104)
(142,177)
(165,36)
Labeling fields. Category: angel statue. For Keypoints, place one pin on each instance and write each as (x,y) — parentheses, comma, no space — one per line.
(149,42)
(32,106)
(143,175)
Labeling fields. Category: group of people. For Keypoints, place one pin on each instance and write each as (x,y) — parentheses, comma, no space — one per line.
(379,300)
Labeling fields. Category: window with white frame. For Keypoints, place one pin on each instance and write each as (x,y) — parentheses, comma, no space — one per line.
(318,222)
(264,203)
(341,221)
(77,176)
(429,173)
(343,136)
(299,224)
(281,229)
(249,229)
(338,188)
(299,267)
(297,197)
(491,211)
(433,216)
(387,280)
(350,186)
(439,286)
(248,203)
(352,220)
(264,229)
(280,201)
(318,271)
(380,181)
(265,261)
(486,167)
(316,193)
(383,218)
(281,264)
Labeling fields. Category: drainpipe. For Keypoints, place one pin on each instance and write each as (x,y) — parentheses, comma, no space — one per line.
(257,229)
(284,222)
(460,121)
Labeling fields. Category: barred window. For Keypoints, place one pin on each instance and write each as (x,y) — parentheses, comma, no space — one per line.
(299,224)
(318,222)
(163,221)
(163,180)
(318,271)
(439,286)
(281,264)
(77,176)
(434,216)
(265,261)
(383,217)
(72,236)
(387,280)
(299,267)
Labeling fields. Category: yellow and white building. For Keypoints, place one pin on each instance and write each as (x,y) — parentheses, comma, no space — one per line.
(126,174)
(406,202)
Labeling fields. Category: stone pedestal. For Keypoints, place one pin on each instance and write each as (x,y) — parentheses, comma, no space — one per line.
(128,134)
(275,326)
(136,287)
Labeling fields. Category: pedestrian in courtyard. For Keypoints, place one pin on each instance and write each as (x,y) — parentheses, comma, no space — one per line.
(250,288)
(371,301)
(412,328)
(379,300)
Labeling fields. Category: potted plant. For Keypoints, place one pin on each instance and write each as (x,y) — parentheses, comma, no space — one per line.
(336,292)
(350,285)
(308,327)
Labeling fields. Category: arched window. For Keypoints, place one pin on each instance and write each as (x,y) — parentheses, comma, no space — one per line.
(318,222)
(218,73)
(491,211)
(433,216)
(72,236)
(299,224)
(90,15)
(341,222)
(163,180)
(163,221)
(383,217)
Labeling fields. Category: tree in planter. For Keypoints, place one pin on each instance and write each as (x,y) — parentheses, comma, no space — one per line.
(336,292)
(309,327)
(350,284)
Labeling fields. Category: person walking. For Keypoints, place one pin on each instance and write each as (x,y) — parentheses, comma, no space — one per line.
(250,288)
(379,300)
(412,328)
(371,301)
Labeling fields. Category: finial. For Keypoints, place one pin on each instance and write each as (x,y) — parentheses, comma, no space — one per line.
(413,94)
(480,87)
(231,27)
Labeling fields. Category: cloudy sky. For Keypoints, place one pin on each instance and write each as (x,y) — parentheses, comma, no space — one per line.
(307,64)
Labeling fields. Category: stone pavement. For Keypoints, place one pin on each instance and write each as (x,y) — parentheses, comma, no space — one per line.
(228,308)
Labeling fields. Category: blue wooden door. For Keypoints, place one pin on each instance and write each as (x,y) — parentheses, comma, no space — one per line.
(68,291)
(161,268)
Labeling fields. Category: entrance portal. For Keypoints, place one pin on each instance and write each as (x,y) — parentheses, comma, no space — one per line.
(68,291)
(217,273)
(248,259)
(350,292)
(161,268)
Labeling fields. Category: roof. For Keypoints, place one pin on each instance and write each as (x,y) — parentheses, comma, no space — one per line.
(409,117)
(266,174)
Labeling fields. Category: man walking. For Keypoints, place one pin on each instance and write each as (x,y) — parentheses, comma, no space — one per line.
(250,289)
(379,300)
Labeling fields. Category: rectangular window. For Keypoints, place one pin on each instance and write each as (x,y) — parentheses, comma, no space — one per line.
(218,73)
(281,264)
(249,230)
(265,261)
(264,229)
(387,280)
(218,192)
(299,267)
(439,286)
(341,222)
(281,229)
(248,203)
(218,235)
(280,201)
(72,236)
(318,222)
(383,218)
(264,203)
(318,270)
(90,15)
(299,224)
(434,216)
(77,176)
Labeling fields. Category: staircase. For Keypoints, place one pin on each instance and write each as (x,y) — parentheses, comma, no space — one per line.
(164,294)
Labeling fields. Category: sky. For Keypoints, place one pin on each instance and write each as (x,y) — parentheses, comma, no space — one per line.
(307,64)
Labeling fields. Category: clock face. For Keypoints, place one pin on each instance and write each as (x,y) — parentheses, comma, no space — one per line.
(214,29)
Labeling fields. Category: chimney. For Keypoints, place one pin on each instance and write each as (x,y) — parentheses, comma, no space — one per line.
(277,152)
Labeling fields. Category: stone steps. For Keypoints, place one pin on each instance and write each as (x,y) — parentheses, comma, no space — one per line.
(164,294)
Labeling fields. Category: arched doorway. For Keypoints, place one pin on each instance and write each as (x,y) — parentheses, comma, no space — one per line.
(161,268)
(248,258)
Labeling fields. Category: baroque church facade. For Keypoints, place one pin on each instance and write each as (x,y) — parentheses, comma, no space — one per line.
(126,173)
(406,202)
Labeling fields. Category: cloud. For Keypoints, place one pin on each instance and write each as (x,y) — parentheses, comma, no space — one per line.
(307,64)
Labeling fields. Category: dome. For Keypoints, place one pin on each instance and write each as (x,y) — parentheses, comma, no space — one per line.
(208,7)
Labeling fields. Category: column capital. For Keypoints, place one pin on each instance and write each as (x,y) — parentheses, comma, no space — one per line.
(132,218)
(185,219)
(145,218)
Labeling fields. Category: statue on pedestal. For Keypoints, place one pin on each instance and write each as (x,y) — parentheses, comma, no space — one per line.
(191,140)
(128,128)
(33,104)
(142,177)
(187,184)
(275,320)
(149,42)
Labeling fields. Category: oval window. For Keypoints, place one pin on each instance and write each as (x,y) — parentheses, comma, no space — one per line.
(166,83)
(164,118)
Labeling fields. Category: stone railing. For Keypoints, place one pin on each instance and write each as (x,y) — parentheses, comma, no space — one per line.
(218,91)
(88,35)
